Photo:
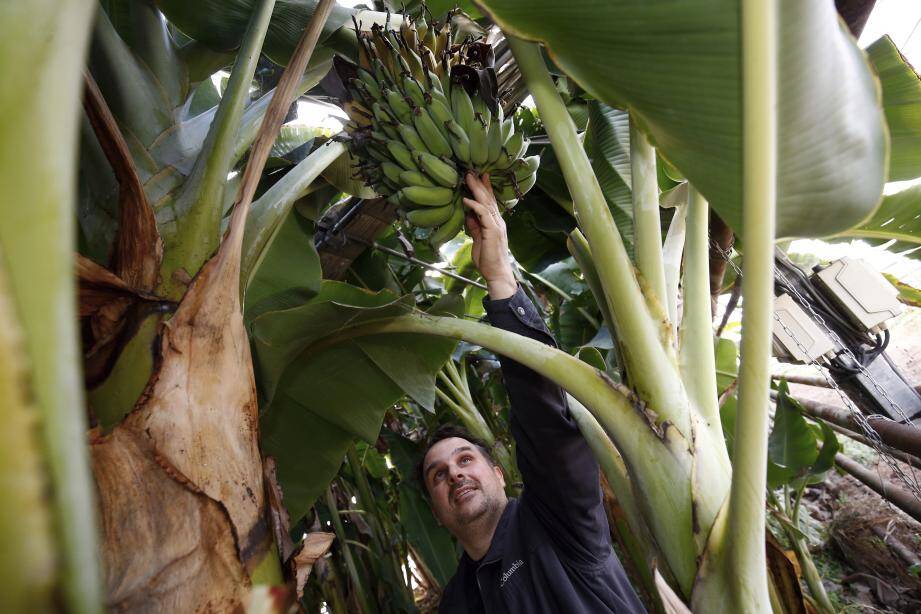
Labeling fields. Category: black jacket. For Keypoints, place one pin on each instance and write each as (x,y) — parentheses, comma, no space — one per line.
(552,549)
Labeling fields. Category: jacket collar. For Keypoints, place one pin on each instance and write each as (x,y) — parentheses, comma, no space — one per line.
(497,545)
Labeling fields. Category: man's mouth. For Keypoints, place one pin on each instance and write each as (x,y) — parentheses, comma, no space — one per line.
(463,493)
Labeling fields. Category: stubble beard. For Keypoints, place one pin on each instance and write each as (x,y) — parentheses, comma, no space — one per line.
(486,508)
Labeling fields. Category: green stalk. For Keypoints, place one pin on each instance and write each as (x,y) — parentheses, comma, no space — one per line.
(465,409)
(271,209)
(637,538)
(42,54)
(646,223)
(696,347)
(651,366)
(810,573)
(200,202)
(660,461)
(672,251)
(27,570)
(736,575)
(357,584)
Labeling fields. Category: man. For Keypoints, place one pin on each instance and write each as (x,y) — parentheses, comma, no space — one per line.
(549,551)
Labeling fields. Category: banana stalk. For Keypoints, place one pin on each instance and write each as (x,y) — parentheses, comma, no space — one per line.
(646,224)
(38,172)
(733,573)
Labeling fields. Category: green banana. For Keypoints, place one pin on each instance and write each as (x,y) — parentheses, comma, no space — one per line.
(392,171)
(460,143)
(479,145)
(400,153)
(434,140)
(428,196)
(462,107)
(526,184)
(480,106)
(494,141)
(415,178)
(526,166)
(398,104)
(449,229)
(389,128)
(508,129)
(413,91)
(382,114)
(504,191)
(440,114)
(411,138)
(427,217)
(369,82)
(442,172)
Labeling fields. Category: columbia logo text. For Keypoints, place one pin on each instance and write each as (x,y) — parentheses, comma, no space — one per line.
(511,570)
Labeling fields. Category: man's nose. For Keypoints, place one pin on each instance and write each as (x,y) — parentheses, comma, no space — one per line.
(456,473)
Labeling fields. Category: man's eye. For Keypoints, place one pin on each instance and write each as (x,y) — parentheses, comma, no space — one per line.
(439,474)
(465,460)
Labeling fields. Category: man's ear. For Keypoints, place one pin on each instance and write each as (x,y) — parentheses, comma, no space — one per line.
(498,471)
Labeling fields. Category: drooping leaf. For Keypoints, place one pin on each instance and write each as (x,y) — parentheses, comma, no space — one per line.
(902,104)
(677,67)
(791,445)
(607,143)
(907,294)
(322,392)
(592,356)
(220,23)
(289,274)
(896,224)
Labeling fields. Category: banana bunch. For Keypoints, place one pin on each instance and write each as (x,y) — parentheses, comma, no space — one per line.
(420,118)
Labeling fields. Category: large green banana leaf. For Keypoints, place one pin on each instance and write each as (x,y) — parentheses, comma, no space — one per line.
(607,143)
(321,391)
(42,51)
(220,23)
(896,224)
(902,104)
(677,67)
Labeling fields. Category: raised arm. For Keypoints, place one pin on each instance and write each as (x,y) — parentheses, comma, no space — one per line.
(561,477)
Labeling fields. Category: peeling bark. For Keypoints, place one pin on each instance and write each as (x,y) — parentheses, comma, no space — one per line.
(166,548)
(138,247)
(315,545)
(108,299)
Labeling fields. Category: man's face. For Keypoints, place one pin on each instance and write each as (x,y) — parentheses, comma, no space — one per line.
(463,485)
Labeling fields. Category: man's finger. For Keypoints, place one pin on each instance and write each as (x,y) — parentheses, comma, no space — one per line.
(488,185)
(488,216)
(477,188)
(473,226)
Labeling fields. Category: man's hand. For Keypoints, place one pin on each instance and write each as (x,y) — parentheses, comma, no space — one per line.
(490,241)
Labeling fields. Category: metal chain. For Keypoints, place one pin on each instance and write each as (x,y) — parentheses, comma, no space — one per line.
(879,447)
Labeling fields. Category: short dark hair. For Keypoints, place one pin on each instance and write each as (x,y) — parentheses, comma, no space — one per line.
(447,431)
